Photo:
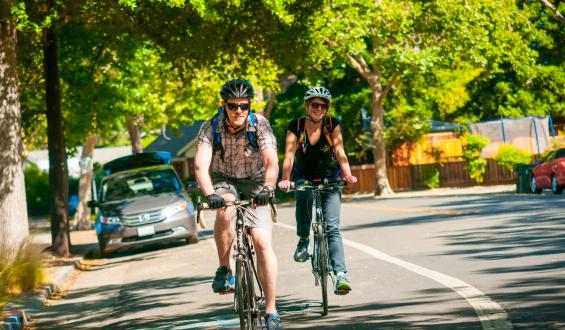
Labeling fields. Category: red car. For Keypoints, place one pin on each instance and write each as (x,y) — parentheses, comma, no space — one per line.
(549,173)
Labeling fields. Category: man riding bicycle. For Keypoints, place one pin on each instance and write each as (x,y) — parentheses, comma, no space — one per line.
(317,138)
(236,158)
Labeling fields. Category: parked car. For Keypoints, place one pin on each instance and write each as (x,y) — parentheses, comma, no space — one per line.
(141,201)
(549,173)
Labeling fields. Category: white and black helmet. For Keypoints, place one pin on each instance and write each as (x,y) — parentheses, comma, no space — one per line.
(318,92)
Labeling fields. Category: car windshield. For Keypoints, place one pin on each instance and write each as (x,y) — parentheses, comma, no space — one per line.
(140,183)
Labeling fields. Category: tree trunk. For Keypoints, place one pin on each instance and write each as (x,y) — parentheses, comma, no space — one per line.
(379,151)
(82,217)
(13,209)
(58,176)
(134,135)
(270,103)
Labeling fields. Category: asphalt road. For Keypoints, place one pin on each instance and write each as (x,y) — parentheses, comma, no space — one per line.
(489,261)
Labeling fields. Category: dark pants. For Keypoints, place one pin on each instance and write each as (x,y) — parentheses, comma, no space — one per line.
(331,206)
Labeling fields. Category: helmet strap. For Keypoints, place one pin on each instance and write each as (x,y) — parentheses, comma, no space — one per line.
(231,126)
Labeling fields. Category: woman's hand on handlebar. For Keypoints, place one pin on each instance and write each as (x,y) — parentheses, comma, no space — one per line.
(284,185)
(349,180)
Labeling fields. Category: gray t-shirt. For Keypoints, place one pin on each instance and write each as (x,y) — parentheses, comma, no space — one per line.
(241,160)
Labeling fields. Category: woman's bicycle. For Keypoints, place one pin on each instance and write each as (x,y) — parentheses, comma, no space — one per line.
(248,288)
(321,265)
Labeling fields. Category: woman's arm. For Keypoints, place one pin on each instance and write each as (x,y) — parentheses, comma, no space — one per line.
(337,139)
(291,146)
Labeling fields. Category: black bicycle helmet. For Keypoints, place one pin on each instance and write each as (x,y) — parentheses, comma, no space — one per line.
(237,88)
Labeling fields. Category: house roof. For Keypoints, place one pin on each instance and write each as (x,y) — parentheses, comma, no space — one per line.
(176,142)
(437,126)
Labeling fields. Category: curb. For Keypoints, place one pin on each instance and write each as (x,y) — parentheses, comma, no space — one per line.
(15,316)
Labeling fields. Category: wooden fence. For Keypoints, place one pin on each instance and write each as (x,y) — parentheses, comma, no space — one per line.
(452,174)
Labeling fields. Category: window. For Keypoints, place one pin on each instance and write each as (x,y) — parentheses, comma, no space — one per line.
(129,185)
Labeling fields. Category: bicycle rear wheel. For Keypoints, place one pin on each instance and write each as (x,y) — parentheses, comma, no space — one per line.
(322,247)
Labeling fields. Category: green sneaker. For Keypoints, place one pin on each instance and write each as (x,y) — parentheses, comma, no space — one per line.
(342,285)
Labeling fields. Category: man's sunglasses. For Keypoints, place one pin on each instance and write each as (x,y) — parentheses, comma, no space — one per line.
(242,106)
(317,105)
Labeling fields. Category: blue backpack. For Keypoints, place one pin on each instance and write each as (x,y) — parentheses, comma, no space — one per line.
(217,137)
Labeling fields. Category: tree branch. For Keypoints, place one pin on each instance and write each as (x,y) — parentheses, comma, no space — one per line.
(549,5)
(389,86)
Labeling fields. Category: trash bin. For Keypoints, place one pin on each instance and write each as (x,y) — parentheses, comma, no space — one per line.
(523,173)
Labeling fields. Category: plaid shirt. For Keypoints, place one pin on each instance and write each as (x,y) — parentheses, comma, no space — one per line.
(241,160)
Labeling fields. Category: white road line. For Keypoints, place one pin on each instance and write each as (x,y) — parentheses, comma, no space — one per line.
(489,312)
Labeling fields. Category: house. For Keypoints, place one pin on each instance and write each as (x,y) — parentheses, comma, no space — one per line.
(440,144)
(182,146)
(100,155)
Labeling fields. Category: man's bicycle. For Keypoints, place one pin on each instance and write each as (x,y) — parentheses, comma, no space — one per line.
(321,265)
(248,288)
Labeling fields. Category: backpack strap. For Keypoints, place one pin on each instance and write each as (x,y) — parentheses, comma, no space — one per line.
(252,134)
(327,128)
(301,131)
(216,136)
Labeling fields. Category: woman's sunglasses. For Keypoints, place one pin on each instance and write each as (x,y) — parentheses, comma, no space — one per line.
(316,105)
(234,106)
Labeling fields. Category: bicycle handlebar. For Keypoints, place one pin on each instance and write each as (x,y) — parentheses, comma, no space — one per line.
(246,202)
(311,186)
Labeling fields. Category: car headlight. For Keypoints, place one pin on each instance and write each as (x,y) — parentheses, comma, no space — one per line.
(173,209)
(104,219)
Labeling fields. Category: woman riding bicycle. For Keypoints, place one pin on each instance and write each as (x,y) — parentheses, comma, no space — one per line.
(321,155)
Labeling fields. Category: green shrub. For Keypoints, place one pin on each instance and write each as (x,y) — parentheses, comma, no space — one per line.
(475,165)
(431,177)
(508,156)
(37,190)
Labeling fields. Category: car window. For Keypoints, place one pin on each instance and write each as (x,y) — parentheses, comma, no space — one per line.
(140,183)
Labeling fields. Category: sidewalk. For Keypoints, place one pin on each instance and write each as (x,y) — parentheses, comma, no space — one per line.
(18,313)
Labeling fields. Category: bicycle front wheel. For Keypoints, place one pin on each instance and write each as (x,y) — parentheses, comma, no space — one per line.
(245,296)
(323,265)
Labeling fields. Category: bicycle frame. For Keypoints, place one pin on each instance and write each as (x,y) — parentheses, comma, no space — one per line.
(246,301)
(321,263)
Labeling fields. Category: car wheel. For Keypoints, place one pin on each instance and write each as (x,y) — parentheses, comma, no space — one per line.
(555,187)
(193,239)
(534,186)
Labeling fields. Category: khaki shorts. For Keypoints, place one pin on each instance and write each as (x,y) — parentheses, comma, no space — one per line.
(258,217)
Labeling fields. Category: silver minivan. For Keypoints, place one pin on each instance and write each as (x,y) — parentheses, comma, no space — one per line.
(142,206)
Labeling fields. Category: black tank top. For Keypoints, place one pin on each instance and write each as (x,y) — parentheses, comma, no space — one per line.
(316,161)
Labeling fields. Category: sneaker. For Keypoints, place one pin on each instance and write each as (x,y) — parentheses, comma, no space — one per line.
(342,285)
(223,281)
(301,253)
(273,321)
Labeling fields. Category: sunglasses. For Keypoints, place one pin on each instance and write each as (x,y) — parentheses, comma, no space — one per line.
(316,105)
(242,106)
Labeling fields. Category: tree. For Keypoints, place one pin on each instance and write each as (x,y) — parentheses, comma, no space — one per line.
(387,41)
(13,213)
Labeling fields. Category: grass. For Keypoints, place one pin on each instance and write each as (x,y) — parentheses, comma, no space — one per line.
(21,269)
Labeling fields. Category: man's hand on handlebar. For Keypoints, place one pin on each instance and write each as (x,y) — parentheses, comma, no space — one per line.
(264,197)
(215,202)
